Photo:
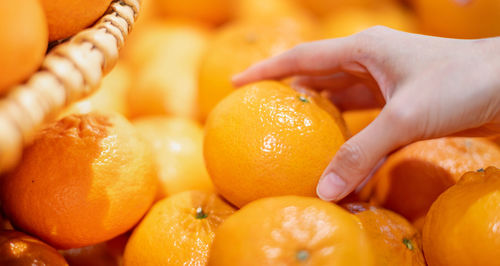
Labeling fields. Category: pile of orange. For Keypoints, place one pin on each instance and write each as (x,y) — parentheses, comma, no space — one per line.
(170,164)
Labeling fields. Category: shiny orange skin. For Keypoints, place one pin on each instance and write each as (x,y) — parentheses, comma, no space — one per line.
(84,180)
(23,41)
(477,19)
(68,17)
(394,240)
(235,47)
(462,226)
(19,249)
(267,139)
(177,145)
(413,177)
(291,230)
(209,11)
(178,230)
(356,120)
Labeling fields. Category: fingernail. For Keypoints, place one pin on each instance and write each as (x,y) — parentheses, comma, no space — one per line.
(330,187)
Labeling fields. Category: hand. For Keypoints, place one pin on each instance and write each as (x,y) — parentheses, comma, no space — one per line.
(432,87)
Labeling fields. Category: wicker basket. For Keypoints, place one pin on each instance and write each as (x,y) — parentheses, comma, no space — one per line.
(70,71)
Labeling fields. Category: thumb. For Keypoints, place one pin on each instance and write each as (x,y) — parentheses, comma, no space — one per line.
(360,154)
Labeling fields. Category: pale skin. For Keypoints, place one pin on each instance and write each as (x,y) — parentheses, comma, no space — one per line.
(429,87)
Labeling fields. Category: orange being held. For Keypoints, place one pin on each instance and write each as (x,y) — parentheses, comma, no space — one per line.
(235,47)
(177,145)
(84,180)
(18,249)
(356,120)
(394,240)
(463,224)
(413,177)
(23,41)
(267,139)
(474,19)
(291,230)
(178,230)
(68,17)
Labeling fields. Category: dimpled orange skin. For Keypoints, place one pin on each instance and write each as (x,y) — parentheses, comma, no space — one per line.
(463,224)
(394,239)
(413,177)
(235,47)
(19,249)
(84,180)
(178,149)
(476,19)
(68,17)
(267,139)
(291,230)
(178,230)
(23,40)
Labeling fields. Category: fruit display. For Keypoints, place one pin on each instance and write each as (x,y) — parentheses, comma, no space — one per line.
(168,163)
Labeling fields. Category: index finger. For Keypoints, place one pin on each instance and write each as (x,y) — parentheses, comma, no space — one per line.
(313,58)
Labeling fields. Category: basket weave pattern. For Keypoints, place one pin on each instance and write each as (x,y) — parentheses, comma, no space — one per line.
(69,72)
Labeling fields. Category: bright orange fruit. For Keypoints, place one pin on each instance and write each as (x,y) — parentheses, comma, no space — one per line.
(23,41)
(84,180)
(17,248)
(463,224)
(356,120)
(413,177)
(394,240)
(267,139)
(177,145)
(291,230)
(68,17)
(209,11)
(178,230)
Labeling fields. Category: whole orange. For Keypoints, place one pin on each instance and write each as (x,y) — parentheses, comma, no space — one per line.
(235,47)
(178,230)
(463,224)
(209,11)
(68,17)
(177,144)
(165,57)
(267,139)
(19,249)
(394,240)
(476,19)
(85,179)
(23,40)
(291,230)
(413,177)
(356,120)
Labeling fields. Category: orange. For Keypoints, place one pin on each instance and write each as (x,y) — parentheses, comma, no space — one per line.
(291,230)
(477,19)
(462,227)
(23,41)
(348,21)
(356,120)
(394,239)
(166,58)
(266,9)
(178,230)
(235,47)
(178,148)
(111,96)
(68,17)
(413,177)
(17,248)
(108,253)
(209,11)
(84,180)
(267,139)
(325,7)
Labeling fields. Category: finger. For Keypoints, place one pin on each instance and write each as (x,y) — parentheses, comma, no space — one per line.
(358,96)
(313,58)
(360,154)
